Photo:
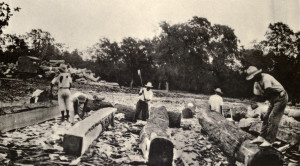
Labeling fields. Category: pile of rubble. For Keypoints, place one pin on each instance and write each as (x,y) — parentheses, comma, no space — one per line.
(79,75)
(33,67)
(7,70)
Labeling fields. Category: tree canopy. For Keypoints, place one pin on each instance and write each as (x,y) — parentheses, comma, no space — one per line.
(194,56)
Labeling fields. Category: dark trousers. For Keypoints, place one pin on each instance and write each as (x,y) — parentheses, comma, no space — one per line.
(141,106)
(273,116)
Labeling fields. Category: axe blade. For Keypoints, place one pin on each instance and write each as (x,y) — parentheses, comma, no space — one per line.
(139,72)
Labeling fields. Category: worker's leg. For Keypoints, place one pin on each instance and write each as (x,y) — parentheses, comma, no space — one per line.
(265,119)
(75,106)
(138,110)
(61,104)
(145,113)
(69,109)
(275,117)
(264,128)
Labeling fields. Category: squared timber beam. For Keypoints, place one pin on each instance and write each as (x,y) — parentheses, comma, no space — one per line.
(79,137)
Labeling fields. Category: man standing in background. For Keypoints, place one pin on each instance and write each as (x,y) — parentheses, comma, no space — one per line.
(216,101)
(145,95)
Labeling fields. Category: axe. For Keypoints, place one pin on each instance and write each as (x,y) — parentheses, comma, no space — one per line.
(140,75)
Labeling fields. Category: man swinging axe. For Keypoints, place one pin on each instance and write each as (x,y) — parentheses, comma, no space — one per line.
(145,96)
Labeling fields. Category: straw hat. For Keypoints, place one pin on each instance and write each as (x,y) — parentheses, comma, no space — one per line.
(149,85)
(252,71)
(218,90)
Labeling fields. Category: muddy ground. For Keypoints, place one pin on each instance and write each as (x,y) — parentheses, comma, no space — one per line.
(40,144)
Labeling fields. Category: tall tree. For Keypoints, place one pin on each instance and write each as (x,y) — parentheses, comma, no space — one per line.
(39,41)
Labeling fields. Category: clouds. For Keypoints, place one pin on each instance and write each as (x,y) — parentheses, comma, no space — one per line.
(80,23)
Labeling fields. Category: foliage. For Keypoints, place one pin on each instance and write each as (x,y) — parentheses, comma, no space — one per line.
(5,14)
(194,56)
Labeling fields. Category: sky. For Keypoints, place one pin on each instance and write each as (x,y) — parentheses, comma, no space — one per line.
(81,23)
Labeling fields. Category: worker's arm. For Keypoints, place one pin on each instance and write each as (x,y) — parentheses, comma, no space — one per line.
(221,109)
(70,80)
(141,91)
(259,98)
(269,92)
(221,105)
(51,87)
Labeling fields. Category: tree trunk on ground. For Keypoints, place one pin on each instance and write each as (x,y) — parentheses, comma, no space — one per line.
(159,86)
(235,143)
(174,119)
(96,105)
(155,144)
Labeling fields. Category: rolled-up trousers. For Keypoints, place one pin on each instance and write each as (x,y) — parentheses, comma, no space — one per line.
(273,116)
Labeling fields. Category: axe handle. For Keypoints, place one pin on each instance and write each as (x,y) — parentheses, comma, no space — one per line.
(139,73)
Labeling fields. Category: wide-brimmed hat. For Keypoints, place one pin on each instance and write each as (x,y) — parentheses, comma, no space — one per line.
(218,90)
(149,85)
(252,71)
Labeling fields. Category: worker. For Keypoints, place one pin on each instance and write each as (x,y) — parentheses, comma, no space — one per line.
(79,103)
(268,88)
(145,96)
(64,81)
(216,101)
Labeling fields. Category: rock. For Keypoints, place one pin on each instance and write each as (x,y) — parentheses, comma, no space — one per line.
(127,110)
(289,130)
(255,128)
(247,122)
(295,114)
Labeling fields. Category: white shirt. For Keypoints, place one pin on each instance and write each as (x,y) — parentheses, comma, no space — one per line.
(215,101)
(148,94)
(267,81)
(64,80)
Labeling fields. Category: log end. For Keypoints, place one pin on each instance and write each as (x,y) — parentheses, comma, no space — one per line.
(174,119)
(187,113)
(252,155)
(267,157)
(161,152)
(73,145)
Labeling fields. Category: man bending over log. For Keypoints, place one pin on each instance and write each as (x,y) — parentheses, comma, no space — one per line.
(79,101)
(64,85)
(216,101)
(145,95)
(270,89)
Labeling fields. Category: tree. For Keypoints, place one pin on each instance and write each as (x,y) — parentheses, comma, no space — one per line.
(133,57)
(5,14)
(39,42)
(281,51)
